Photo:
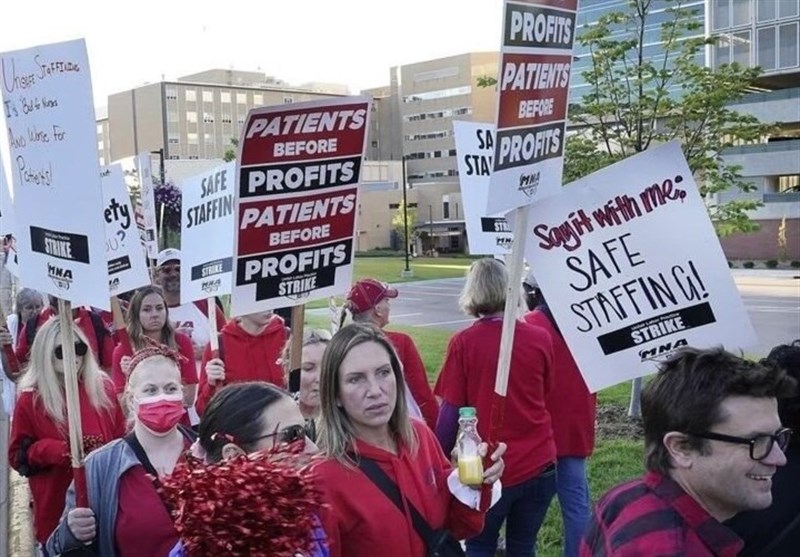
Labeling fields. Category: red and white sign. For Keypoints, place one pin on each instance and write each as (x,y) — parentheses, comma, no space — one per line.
(296,202)
(533,84)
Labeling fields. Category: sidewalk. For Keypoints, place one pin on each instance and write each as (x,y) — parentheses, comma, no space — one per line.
(20,532)
(767,277)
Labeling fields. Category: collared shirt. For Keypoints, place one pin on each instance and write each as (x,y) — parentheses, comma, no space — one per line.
(655,516)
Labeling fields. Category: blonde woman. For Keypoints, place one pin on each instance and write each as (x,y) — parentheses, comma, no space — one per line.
(364,426)
(304,382)
(127,516)
(39,447)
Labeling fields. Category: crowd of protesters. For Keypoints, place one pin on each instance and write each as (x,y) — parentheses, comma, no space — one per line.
(359,413)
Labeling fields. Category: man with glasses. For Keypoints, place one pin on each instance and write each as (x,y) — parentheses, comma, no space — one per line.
(713,441)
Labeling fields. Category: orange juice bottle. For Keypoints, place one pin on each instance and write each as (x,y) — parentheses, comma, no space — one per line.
(470,465)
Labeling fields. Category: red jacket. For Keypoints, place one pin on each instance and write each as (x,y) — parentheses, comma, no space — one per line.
(467,379)
(360,521)
(415,375)
(572,407)
(48,451)
(247,358)
(84,321)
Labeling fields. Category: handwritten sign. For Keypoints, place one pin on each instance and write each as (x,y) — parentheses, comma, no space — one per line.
(475,148)
(632,269)
(533,85)
(296,202)
(127,268)
(52,136)
(207,233)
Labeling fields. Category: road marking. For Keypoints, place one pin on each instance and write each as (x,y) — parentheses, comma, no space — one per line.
(443,323)
(404,315)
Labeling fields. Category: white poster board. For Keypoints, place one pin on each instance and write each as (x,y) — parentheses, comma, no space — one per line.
(533,87)
(631,267)
(147,200)
(55,173)
(474,148)
(7,223)
(207,233)
(127,267)
(296,202)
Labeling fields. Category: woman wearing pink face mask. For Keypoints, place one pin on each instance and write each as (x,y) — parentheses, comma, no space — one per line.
(126,515)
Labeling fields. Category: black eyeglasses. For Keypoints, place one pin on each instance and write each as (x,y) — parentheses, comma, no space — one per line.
(80,350)
(287,435)
(760,445)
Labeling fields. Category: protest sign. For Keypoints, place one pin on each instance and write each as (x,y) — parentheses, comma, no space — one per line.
(207,233)
(127,268)
(7,224)
(296,202)
(474,147)
(52,136)
(147,204)
(533,86)
(632,269)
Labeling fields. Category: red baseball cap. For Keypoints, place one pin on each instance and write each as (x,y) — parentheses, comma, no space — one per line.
(367,293)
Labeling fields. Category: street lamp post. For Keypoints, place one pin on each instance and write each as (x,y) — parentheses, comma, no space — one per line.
(407,272)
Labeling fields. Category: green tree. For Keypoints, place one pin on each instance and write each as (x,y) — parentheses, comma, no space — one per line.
(398,223)
(230,152)
(636,100)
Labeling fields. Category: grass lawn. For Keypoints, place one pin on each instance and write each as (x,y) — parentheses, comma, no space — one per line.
(388,269)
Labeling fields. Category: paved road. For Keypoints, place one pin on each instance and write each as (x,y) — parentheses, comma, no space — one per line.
(772,300)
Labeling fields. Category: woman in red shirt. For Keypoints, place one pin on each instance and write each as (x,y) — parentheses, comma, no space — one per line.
(368,302)
(364,424)
(467,379)
(126,515)
(148,321)
(39,447)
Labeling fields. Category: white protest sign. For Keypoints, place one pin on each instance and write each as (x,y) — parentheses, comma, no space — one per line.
(207,233)
(631,267)
(127,268)
(147,201)
(475,147)
(533,86)
(52,136)
(296,202)
(7,224)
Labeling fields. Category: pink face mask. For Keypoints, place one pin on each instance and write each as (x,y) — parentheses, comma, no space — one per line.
(160,414)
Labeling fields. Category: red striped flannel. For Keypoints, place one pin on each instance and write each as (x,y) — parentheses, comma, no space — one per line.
(653,516)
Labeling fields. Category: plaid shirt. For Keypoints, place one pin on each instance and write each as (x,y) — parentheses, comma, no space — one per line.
(653,516)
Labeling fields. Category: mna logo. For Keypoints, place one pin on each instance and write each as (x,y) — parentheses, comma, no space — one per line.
(211,285)
(62,278)
(662,349)
(529,183)
(504,242)
(113,284)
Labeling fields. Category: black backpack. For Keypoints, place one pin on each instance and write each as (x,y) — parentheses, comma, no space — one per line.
(100,333)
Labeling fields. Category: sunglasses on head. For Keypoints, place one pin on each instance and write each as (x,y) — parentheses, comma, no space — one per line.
(80,350)
(288,434)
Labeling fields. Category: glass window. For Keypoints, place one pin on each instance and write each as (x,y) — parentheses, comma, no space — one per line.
(191,116)
(741,12)
(788,8)
(721,14)
(225,96)
(172,116)
(172,93)
(766,10)
(99,128)
(766,48)
(208,117)
(208,96)
(258,99)
(102,161)
(209,138)
(191,138)
(723,50)
(741,47)
(787,41)
(191,95)
(241,98)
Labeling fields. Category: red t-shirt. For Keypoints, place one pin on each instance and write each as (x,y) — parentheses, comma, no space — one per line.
(143,527)
(572,407)
(415,375)
(48,452)
(467,379)
(188,370)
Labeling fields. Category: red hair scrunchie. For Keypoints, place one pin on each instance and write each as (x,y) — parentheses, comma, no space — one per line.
(154,348)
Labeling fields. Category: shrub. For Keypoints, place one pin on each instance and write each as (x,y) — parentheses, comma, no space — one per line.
(795,264)
(771,263)
(731,264)
(748,264)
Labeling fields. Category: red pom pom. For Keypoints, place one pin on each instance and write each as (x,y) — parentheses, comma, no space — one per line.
(256,505)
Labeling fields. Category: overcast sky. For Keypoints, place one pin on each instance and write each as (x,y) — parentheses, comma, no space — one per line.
(354,42)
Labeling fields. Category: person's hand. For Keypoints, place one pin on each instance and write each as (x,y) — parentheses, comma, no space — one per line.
(81,523)
(493,473)
(5,337)
(215,371)
(125,365)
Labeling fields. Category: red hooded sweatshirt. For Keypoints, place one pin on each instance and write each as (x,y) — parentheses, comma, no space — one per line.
(360,521)
(247,358)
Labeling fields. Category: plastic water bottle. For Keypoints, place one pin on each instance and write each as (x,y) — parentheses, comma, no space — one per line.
(470,464)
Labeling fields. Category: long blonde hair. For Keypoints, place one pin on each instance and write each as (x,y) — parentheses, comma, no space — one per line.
(337,435)
(47,384)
